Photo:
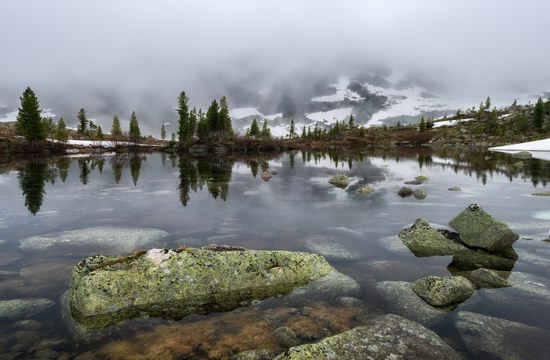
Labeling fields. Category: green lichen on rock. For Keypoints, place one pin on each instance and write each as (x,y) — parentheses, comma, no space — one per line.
(173,284)
(421,178)
(420,194)
(386,337)
(405,192)
(341,181)
(485,278)
(481,230)
(365,190)
(443,291)
(544,193)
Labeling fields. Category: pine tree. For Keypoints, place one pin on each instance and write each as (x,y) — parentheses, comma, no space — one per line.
(225,127)
(49,127)
(116,130)
(254,129)
(538,119)
(304,133)
(266,131)
(82,122)
(292,133)
(163,132)
(351,122)
(61,134)
(193,122)
(183,120)
(100,136)
(488,103)
(422,125)
(29,121)
(212,118)
(134,133)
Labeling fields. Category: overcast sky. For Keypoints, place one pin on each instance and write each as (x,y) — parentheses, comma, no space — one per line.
(116,56)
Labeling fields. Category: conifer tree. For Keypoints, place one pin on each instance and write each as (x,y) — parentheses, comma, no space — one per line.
(304,133)
(61,134)
(183,118)
(292,133)
(266,131)
(193,122)
(134,133)
(203,129)
(100,136)
(49,127)
(538,119)
(163,132)
(254,129)
(82,122)
(116,130)
(422,125)
(488,103)
(29,120)
(351,121)
(224,120)
(212,118)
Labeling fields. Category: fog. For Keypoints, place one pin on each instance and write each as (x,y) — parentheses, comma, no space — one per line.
(112,57)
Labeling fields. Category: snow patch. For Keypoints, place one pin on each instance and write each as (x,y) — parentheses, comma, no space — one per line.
(274,116)
(331,116)
(539,145)
(240,113)
(450,122)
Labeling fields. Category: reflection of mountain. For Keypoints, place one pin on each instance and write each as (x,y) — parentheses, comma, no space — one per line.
(215,173)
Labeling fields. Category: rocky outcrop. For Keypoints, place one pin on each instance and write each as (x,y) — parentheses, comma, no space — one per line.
(481,230)
(488,337)
(105,290)
(443,291)
(23,308)
(341,181)
(386,337)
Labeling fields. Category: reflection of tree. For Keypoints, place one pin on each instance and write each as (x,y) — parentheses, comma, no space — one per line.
(117,164)
(135,167)
(163,159)
(32,182)
(63,165)
(215,173)
(253,167)
(84,170)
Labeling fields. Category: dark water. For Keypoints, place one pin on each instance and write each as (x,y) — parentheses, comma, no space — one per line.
(198,201)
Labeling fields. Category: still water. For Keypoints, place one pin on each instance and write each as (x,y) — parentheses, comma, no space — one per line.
(53,212)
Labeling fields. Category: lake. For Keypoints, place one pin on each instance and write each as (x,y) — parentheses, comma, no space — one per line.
(54,212)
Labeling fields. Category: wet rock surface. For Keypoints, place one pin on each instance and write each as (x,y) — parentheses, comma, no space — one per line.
(386,337)
(490,337)
(405,192)
(341,181)
(23,308)
(485,278)
(332,247)
(481,230)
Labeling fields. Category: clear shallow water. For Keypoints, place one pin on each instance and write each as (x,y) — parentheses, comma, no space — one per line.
(199,201)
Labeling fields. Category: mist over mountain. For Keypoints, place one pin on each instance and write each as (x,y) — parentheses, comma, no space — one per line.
(273,56)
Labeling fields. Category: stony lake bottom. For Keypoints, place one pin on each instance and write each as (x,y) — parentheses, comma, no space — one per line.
(54,212)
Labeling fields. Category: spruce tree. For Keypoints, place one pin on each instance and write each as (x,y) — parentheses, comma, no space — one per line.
(116,129)
(422,125)
(254,129)
(29,121)
(212,118)
(82,122)
(100,136)
(488,103)
(134,133)
(163,132)
(193,122)
(183,118)
(49,128)
(292,132)
(224,120)
(304,133)
(266,132)
(61,134)
(351,122)
(538,119)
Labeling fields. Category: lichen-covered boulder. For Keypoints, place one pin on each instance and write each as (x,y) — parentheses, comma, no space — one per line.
(486,278)
(106,290)
(424,240)
(405,192)
(488,337)
(364,190)
(420,194)
(443,291)
(386,337)
(481,230)
(340,181)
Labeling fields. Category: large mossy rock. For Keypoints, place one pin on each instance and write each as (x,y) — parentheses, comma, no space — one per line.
(386,337)
(106,290)
(481,230)
(341,181)
(423,240)
(443,291)
(484,278)
(488,337)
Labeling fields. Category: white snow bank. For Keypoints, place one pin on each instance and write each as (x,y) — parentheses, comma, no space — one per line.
(342,92)
(331,116)
(450,122)
(274,116)
(539,145)
(240,113)
(90,143)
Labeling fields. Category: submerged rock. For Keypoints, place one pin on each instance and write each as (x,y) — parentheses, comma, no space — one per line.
(485,278)
(106,290)
(413,182)
(405,192)
(490,337)
(455,188)
(420,194)
(23,308)
(443,291)
(266,176)
(260,354)
(399,298)
(481,230)
(545,193)
(421,178)
(522,155)
(341,181)
(119,239)
(365,190)
(330,247)
(386,337)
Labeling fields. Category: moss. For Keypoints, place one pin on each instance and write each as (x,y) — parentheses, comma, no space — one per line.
(421,178)
(340,181)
